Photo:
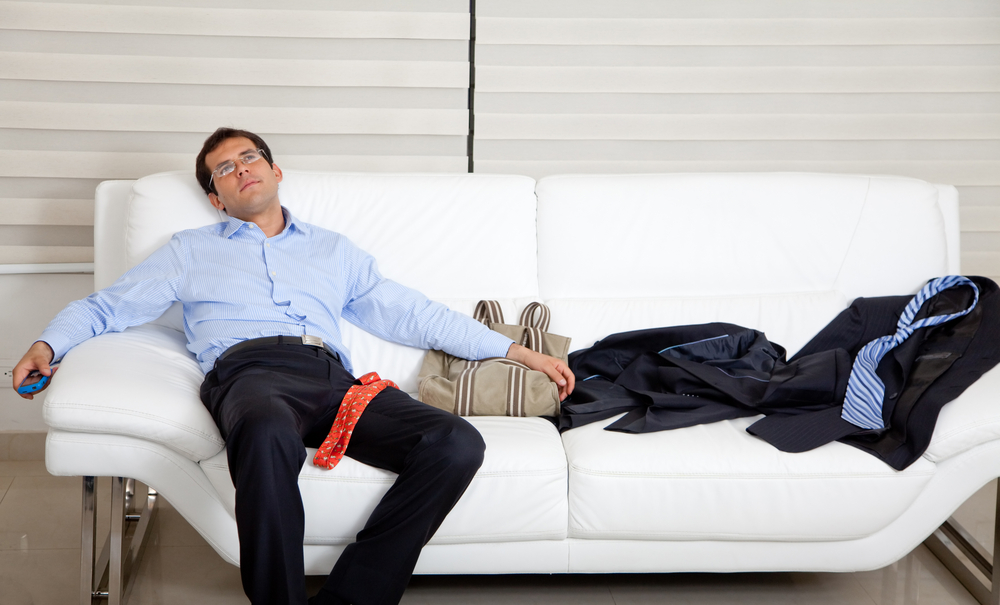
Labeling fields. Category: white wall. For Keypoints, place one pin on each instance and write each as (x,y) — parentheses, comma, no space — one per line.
(27,303)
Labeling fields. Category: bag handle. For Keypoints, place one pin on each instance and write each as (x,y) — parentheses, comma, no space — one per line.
(488,311)
(535,319)
(536,315)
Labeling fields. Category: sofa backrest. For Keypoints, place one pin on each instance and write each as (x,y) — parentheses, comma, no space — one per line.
(779,252)
(456,238)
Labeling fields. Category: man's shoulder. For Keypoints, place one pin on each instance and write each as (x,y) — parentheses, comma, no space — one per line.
(212,231)
(314,230)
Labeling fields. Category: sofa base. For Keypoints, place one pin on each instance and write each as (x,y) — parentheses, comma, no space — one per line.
(976,558)
(112,574)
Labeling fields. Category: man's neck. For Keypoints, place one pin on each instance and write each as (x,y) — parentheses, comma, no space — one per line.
(271,223)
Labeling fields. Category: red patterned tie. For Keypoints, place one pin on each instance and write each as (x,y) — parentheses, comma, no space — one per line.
(355,401)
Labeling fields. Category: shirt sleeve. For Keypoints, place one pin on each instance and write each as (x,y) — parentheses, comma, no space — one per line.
(394,312)
(143,293)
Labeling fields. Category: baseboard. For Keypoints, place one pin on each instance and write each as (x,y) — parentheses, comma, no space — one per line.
(22,445)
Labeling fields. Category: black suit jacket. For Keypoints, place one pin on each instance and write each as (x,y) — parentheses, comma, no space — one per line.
(932,367)
(674,377)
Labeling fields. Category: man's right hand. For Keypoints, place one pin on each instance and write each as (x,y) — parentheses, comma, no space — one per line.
(38,357)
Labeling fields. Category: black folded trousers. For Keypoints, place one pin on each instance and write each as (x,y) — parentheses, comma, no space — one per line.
(272,402)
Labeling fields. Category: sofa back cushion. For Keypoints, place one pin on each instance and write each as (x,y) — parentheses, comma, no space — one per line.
(456,238)
(779,252)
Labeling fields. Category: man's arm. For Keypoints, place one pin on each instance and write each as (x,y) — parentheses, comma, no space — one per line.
(141,294)
(38,357)
(557,371)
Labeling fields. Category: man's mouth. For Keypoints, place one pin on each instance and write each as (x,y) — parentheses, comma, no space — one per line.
(248,183)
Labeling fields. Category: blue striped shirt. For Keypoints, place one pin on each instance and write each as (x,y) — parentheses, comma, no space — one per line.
(235,284)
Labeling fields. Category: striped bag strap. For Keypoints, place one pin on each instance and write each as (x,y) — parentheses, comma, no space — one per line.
(517,378)
(535,317)
(488,311)
(464,388)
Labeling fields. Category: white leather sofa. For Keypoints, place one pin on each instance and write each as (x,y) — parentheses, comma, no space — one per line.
(783,253)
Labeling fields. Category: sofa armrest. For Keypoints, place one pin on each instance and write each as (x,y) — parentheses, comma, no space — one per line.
(143,383)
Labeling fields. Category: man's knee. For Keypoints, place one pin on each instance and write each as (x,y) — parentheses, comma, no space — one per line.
(461,445)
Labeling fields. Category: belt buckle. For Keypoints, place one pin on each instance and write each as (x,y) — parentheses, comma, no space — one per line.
(312,341)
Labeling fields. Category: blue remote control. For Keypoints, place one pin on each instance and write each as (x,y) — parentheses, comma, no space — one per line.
(34,387)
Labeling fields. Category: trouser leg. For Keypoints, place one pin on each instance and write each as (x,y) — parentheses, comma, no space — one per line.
(436,455)
(264,405)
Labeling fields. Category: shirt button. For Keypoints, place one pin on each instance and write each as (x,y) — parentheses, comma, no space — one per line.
(268,244)
(273,273)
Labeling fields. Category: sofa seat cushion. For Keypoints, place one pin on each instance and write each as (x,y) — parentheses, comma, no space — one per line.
(717,482)
(143,383)
(518,494)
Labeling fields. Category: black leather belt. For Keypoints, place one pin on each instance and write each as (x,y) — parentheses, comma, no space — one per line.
(308,341)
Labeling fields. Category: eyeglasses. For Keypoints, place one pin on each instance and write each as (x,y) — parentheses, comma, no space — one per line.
(229,166)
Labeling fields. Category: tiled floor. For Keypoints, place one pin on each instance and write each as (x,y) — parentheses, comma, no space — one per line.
(39,562)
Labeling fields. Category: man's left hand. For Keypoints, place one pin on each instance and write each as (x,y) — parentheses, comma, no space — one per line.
(557,371)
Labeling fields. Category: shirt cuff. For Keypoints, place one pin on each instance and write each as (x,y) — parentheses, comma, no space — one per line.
(59,344)
(494,344)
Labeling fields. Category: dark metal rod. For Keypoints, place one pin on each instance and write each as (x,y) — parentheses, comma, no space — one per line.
(472,84)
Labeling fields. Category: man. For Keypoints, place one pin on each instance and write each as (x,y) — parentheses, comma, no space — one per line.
(256,291)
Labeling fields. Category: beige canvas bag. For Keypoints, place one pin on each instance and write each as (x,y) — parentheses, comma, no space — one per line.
(496,386)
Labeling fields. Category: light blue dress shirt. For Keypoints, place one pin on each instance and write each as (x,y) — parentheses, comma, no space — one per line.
(235,284)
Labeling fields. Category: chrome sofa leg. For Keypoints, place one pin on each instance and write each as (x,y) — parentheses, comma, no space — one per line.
(112,574)
(87,542)
(951,533)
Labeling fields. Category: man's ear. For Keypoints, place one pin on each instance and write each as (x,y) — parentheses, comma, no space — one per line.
(277,172)
(216,202)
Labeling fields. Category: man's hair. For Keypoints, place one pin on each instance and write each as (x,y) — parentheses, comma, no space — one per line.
(204,173)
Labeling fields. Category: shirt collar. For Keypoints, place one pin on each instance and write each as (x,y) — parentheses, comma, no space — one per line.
(291,223)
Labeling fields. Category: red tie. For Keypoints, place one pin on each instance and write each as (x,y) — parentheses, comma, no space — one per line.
(355,401)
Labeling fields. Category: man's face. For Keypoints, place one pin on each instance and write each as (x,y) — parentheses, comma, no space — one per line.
(248,191)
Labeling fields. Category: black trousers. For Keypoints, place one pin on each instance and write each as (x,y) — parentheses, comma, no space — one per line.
(270,403)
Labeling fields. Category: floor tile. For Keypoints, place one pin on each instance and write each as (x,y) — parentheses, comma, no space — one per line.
(39,577)
(40,513)
(23,468)
(186,574)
